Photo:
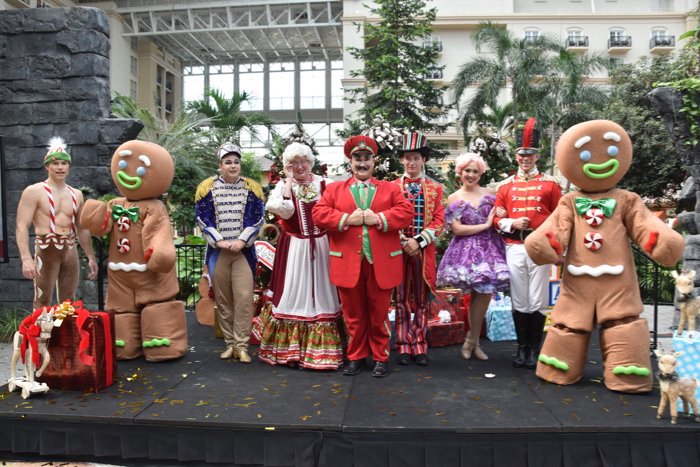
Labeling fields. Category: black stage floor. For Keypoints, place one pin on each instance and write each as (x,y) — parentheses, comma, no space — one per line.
(201,409)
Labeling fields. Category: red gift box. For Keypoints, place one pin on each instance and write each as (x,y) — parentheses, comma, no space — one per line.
(83,354)
(446,299)
(441,334)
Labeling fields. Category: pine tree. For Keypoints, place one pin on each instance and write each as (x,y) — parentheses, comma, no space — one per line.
(396,67)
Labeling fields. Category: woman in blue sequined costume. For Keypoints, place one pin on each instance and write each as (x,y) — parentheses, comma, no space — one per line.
(230,212)
(475,260)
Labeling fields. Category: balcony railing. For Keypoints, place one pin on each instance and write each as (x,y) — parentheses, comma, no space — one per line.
(620,41)
(580,41)
(656,283)
(662,41)
(168,85)
(433,74)
(437,45)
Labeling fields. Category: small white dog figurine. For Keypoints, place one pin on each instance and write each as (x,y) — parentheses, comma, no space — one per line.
(688,303)
(673,387)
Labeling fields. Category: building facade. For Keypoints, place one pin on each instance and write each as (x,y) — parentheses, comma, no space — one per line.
(291,58)
(625,29)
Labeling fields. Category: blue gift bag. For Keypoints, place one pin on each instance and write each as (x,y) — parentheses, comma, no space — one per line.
(688,364)
(499,324)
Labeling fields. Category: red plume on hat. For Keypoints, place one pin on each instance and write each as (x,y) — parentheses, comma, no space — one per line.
(527,140)
(527,132)
(360,143)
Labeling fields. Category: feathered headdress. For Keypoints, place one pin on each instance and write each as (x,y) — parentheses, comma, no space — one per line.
(527,140)
(57,151)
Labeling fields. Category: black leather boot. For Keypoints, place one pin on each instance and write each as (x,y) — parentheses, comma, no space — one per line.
(535,329)
(521,323)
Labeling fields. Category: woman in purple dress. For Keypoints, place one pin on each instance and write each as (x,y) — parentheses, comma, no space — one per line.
(475,260)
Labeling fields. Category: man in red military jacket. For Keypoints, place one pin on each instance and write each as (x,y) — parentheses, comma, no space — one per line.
(364,216)
(529,197)
(419,251)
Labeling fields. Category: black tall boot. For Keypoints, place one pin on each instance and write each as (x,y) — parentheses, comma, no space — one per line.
(521,324)
(535,329)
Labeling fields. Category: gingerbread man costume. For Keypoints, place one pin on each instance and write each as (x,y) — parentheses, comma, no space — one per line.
(142,279)
(593,226)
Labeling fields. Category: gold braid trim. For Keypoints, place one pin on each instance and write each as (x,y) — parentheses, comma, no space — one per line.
(255,187)
(204,188)
(545,178)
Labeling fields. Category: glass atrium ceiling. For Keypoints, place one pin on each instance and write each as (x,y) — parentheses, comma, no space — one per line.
(206,32)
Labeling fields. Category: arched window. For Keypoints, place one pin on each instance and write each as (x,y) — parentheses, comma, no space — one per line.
(531,34)
(661,38)
(575,37)
(619,38)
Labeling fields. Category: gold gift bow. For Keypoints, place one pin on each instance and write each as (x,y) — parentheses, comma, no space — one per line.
(62,311)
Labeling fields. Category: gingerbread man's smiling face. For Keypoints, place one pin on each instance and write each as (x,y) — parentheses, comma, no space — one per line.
(142,170)
(594,155)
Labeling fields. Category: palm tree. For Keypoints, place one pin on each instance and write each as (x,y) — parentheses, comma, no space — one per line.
(562,98)
(499,118)
(226,114)
(513,61)
(184,138)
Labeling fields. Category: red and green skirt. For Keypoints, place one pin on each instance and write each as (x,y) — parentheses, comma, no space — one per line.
(319,344)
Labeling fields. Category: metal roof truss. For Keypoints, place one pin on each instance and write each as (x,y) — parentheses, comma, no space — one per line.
(199,33)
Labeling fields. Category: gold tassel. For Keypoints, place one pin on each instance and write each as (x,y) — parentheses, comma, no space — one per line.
(255,187)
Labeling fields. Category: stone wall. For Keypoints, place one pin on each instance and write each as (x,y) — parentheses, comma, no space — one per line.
(54,81)
(667,102)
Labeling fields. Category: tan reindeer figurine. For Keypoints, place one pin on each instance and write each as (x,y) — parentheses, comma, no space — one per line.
(673,387)
(688,303)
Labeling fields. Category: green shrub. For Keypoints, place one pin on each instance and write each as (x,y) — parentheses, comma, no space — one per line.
(10,320)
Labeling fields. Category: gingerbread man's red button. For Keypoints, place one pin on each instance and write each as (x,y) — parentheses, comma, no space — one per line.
(594,217)
(124,245)
(123,224)
(593,240)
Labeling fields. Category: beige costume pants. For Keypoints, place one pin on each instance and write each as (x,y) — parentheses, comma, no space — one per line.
(233,291)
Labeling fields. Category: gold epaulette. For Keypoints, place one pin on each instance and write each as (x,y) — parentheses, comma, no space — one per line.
(505,181)
(204,188)
(255,187)
(552,178)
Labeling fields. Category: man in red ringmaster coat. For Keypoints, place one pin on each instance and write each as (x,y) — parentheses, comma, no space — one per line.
(363,217)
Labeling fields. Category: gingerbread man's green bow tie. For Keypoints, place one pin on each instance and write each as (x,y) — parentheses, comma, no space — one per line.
(607,205)
(120,211)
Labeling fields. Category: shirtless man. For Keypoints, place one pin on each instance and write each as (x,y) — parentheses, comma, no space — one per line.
(54,209)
